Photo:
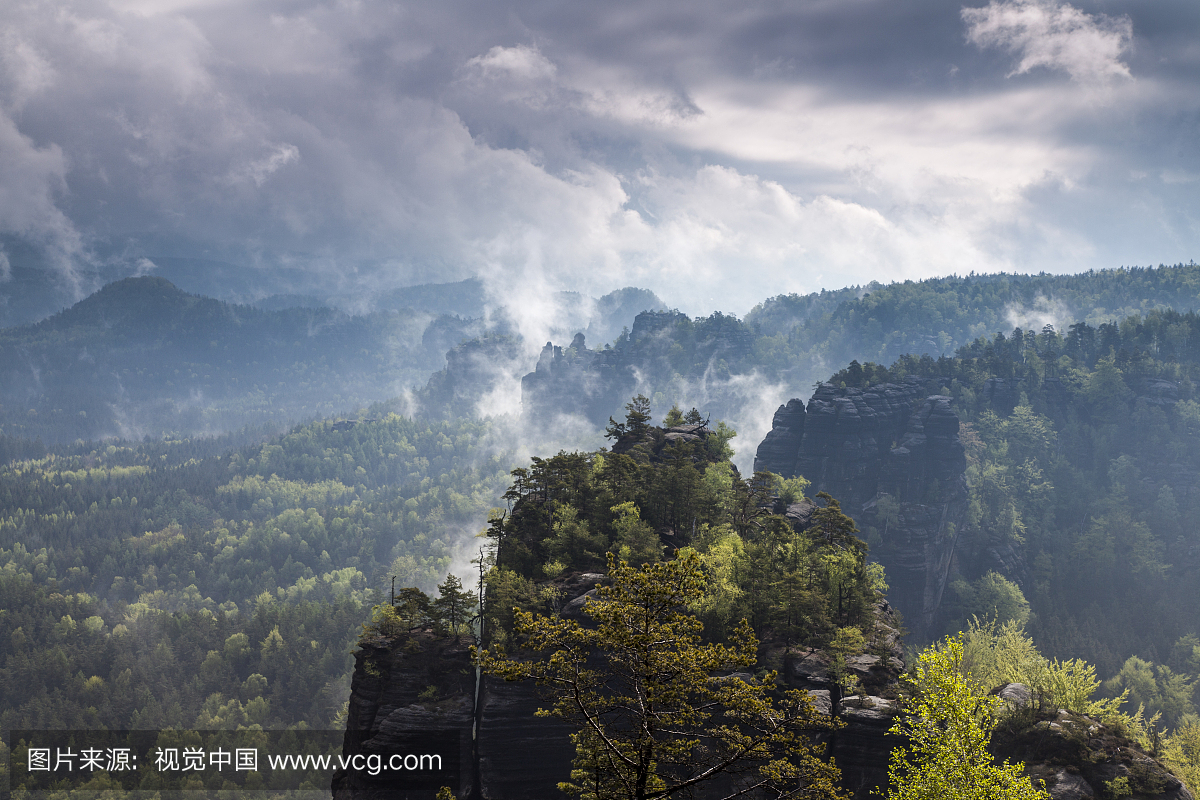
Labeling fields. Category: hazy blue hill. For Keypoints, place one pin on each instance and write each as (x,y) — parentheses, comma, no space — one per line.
(278,302)
(461,298)
(142,357)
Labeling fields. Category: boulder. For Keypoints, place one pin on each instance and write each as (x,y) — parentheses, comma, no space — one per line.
(574,609)
(1017,695)
(1068,786)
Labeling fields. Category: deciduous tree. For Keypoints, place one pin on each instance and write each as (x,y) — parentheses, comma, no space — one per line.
(948,724)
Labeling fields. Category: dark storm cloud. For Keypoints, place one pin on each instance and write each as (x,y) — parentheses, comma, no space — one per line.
(715,154)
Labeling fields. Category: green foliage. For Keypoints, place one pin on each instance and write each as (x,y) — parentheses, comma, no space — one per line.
(172,575)
(791,490)
(635,542)
(454,608)
(1156,688)
(652,719)
(997,653)
(1181,752)
(571,509)
(948,725)
(637,421)
(846,642)
(992,597)
(718,443)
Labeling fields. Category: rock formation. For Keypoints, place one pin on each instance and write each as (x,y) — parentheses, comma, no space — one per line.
(414,686)
(576,381)
(1079,758)
(416,683)
(891,442)
(660,346)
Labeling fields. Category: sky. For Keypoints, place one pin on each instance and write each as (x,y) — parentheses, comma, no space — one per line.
(717,153)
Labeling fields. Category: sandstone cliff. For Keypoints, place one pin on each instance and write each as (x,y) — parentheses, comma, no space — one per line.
(412,686)
(661,348)
(415,683)
(892,442)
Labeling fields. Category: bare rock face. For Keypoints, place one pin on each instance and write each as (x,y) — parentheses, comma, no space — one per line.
(928,451)
(565,381)
(847,435)
(1016,695)
(781,447)
(893,443)
(521,755)
(403,690)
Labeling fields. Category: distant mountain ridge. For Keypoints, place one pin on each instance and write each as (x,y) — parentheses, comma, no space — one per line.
(143,357)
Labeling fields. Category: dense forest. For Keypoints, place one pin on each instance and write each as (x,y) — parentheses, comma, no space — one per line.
(1083,459)
(158,585)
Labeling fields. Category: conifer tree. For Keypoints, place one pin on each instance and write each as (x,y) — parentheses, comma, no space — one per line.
(455,607)
(654,721)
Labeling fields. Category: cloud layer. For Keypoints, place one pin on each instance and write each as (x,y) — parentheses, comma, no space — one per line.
(715,155)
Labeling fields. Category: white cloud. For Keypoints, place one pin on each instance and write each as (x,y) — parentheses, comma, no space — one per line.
(1046,33)
(259,170)
(25,71)
(381,143)
(521,62)
(31,177)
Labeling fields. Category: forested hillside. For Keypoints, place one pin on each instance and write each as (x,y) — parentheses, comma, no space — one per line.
(739,370)
(141,357)
(158,585)
(937,316)
(661,489)
(1083,456)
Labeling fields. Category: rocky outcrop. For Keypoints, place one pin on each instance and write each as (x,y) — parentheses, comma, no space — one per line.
(847,435)
(1079,758)
(660,346)
(928,456)
(892,456)
(781,447)
(655,443)
(414,685)
(406,689)
(520,754)
(861,748)
(568,381)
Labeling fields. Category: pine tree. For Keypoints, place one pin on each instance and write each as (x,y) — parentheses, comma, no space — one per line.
(455,607)
(653,721)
